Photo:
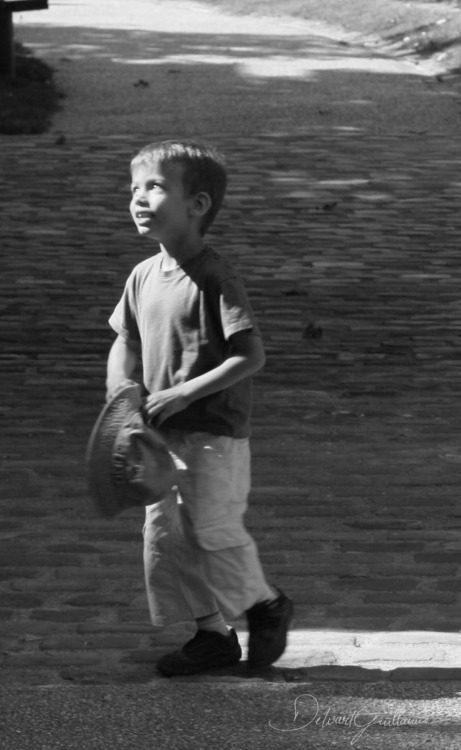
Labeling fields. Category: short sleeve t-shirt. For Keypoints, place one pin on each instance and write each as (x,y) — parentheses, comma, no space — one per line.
(184,319)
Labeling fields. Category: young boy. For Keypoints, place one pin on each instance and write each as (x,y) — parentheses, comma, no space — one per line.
(185,312)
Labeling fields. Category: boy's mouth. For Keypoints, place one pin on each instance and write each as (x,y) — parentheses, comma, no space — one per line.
(143,215)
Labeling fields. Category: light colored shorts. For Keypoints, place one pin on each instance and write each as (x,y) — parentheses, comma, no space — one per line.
(198,555)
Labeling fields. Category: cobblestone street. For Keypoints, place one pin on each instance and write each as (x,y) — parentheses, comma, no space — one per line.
(349,245)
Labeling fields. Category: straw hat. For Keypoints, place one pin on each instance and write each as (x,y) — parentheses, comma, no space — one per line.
(128,461)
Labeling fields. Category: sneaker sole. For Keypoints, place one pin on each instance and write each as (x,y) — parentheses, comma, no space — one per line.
(165,671)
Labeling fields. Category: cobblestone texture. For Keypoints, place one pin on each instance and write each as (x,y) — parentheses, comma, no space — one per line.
(349,248)
(349,245)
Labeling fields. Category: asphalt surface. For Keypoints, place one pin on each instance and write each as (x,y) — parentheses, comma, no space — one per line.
(231,717)
(343,215)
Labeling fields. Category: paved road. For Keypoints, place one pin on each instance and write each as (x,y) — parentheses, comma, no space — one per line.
(234,717)
(343,214)
(163,68)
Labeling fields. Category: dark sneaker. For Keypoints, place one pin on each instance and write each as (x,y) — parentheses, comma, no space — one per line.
(268,624)
(206,650)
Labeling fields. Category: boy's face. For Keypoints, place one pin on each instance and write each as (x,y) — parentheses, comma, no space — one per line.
(159,206)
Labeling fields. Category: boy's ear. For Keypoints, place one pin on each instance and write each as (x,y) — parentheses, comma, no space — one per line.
(201,204)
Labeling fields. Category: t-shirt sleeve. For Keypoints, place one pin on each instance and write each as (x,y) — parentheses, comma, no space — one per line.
(124,318)
(235,309)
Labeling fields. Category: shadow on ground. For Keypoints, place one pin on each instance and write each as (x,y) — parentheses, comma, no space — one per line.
(147,82)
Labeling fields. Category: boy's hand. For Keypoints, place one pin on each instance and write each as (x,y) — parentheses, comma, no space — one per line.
(163,404)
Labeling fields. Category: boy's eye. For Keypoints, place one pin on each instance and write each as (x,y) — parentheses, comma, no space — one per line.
(150,186)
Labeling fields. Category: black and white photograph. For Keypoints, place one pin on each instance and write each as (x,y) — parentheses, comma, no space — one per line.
(230,373)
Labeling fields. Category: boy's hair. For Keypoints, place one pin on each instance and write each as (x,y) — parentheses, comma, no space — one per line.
(204,170)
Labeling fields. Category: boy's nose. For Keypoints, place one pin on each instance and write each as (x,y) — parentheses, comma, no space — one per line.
(140,197)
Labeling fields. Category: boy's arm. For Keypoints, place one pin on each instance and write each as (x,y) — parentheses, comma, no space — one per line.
(121,363)
(246,357)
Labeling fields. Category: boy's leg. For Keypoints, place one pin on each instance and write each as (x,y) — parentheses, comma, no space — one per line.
(215,492)
(200,560)
(177,586)
(176,591)
(171,568)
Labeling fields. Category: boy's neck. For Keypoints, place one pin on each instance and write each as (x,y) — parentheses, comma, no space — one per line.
(174,257)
